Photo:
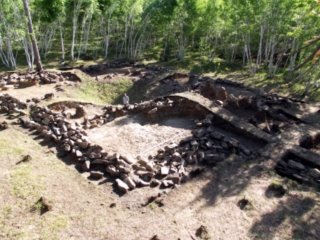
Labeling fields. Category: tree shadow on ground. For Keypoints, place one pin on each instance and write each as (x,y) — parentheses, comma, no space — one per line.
(145,89)
(292,211)
(229,178)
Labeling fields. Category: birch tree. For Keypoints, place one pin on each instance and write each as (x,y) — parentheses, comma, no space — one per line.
(32,36)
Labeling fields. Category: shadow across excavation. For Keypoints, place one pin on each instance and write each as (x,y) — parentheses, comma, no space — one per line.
(292,211)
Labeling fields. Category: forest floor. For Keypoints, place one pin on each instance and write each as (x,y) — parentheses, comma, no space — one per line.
(230,200)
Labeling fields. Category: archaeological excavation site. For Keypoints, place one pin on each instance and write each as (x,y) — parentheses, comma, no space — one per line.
(190,156)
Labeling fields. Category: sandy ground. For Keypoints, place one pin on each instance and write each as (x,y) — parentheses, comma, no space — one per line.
(81,209)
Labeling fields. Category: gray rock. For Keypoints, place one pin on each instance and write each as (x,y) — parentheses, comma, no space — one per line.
(122,186)
(175,178)
(155,183)
(199,132)
(82,144)
(315,173)
(78,154)
(99,162)
(214,157)
(167,183)
(300,177)
(176,157)
(112,170)
(296,165)
(124,169)
(129,159)
(130,183)
(66,147)
(216,135)
(153,111)
(201,155)
(149,166)
(86,165)
(145,174)
(143,183)
(164,171)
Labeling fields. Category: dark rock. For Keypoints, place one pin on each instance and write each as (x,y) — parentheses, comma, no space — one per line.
(25,159)
(42,205)
(244,204)
(275,190)
(155,183)
(112,170)
(96,175)
(4,126)
(202,233)
(296,165)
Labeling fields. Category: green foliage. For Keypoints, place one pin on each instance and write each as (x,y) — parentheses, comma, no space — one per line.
(265,34)
(48,10)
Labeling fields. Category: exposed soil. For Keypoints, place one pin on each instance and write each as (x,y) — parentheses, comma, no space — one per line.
(228,177)
(134,136)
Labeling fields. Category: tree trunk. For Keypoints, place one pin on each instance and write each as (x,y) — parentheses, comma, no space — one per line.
(32,36)
(62,42)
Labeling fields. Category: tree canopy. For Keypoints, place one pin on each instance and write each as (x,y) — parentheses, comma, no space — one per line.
(268,34)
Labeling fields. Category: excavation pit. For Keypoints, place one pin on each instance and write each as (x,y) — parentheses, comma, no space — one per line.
(135,136)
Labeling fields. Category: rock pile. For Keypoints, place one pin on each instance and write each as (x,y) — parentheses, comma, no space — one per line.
(166,169)
(298,169)
(23,80)
(207,146)
(311,142)
(11,105)
(153,110)
(113,112)
(269,112)
(3,126)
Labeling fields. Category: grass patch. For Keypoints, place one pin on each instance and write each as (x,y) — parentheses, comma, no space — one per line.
(6,230)
(7,148)
(103,93)
(52,226)
(24,184)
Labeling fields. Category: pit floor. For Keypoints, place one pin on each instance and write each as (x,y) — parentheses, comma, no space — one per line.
(133,136)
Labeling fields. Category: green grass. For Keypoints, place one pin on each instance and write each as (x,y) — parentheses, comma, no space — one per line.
(103,93)
(7,148)
(6,230)
(52,225)
(24,184)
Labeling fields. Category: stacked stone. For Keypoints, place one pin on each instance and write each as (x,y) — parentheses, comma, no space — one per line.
(148,108)
(167,169)
(23,80)
(72,139)
(11,105)
(206,147)
(297,169)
